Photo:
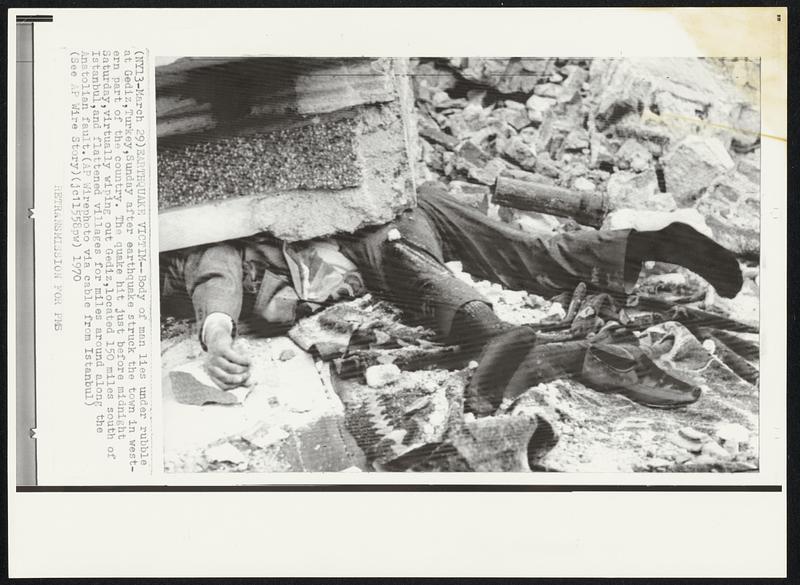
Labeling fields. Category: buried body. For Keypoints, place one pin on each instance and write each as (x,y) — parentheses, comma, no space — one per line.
(265,285)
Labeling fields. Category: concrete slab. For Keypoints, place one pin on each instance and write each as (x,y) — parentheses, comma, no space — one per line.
(299,154)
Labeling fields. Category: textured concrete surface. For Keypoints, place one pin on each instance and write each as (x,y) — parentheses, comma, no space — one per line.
(315,156)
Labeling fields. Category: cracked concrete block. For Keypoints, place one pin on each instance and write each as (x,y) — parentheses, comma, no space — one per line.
(295,148)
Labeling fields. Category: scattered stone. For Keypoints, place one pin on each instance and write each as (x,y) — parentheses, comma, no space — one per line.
(429,78)
(693,434)
(600,151)
(684,443)
(627,189)
(576,140)
(521,175)
(506,75)
(547,90)
(546,167)
(732,436)
(714,450)
(438,137)
(692,165)
(476,196)
(570,90)
(265,436)
(632,155)
(538,106)
(750,166)
(517,118)
(746,124)
(382,375)
(286,355)
(521,153)
(225,453)
(583,184)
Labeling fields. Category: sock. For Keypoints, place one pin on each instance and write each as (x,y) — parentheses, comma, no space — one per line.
(475,323)
(681,244)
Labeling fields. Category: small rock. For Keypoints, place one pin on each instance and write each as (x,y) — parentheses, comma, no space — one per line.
(225,453)
(570,90)
(521,153)
(692,165)
(632,155)
(684,443)
(537,107)
(265,437)
(693,434)
(473,195)
(286,355)
(732,436)
(472,365)
(382,375)
(577,139)
(393,235)
(599,151)
(583,184)
(517,118)
(714,450)
(640,191)
(547,90)
(750,167)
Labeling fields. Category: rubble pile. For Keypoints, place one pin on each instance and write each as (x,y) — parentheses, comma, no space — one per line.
(650,134)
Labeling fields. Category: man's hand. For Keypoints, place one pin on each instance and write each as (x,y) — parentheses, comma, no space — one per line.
(228,367)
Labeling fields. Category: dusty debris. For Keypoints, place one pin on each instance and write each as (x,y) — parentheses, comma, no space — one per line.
(286,355)
(382,375)
(225,453)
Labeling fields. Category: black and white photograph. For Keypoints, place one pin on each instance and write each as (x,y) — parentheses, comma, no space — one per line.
(515,281)
(459,264)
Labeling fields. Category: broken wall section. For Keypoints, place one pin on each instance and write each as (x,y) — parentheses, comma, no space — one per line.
(299,148)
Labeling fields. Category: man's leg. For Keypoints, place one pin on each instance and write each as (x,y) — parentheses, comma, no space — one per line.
(605,260)
(410,272)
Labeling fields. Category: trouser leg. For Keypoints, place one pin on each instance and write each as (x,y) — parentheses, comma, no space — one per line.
(410,272)
(543,264)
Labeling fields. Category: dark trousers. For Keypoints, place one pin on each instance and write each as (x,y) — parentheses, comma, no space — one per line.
(441,229)
(409,271)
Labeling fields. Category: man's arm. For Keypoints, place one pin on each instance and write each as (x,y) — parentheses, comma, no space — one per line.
(213,278)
